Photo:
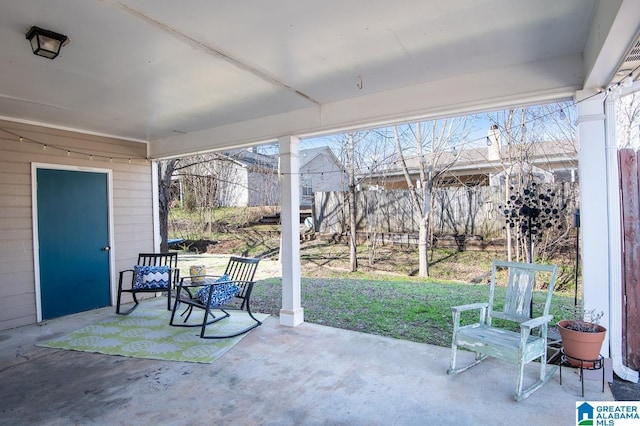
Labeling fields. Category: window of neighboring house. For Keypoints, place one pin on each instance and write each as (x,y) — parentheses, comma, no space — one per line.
(307,187)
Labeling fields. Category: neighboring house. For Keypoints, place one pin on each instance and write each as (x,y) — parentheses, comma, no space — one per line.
(553,161)
(320,171)
(248,178)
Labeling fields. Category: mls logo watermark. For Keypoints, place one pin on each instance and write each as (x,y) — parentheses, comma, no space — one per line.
(607,413)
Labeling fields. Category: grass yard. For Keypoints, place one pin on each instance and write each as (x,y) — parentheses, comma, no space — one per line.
(373,302)
(383,297)
(409,310)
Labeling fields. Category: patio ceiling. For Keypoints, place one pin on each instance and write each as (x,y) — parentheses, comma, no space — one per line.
(198,75)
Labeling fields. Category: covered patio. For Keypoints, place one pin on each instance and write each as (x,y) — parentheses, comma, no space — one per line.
(139,81)
(277,375)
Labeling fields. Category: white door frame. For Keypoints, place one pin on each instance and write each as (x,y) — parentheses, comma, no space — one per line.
(34,215)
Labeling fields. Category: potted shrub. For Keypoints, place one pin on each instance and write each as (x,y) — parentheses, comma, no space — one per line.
(582,337)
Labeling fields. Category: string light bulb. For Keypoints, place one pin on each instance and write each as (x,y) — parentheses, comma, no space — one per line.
(70,153)
(563,116)
(628,81)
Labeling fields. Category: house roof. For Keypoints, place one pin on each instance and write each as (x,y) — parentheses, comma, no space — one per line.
(196,76)
(310,154)
(549,155)
(251,158)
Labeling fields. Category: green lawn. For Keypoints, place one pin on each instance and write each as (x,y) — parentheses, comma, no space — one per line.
(384,296)
(405,309)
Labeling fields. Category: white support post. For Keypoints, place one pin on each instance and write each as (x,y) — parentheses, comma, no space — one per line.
(291,313)
(155,197)
(593,203)
(615,249)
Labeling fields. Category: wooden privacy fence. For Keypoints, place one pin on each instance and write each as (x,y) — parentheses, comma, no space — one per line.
(457,210)
(460,210)
(630,195)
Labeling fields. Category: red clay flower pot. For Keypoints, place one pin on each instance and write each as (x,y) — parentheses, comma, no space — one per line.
(581,344)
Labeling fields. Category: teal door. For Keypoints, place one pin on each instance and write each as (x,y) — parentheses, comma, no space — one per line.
(73,239)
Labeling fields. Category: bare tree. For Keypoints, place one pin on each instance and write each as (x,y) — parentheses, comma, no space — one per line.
(432,158)
(363,153)
(165,173)
(372,155)
(353,243)
(518,144)
(628,121)
(200,178)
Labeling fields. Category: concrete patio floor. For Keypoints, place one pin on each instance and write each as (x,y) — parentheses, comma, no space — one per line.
(308,375)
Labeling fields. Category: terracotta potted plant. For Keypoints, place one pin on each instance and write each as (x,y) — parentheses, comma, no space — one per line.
(582,337)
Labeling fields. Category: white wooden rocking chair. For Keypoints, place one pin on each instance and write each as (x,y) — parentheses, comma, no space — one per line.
(519,348)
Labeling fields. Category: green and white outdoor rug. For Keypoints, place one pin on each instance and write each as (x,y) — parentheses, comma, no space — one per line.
(146,333)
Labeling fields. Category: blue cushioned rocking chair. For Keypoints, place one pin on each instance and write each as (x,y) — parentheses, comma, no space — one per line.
(155,272)
(211,292)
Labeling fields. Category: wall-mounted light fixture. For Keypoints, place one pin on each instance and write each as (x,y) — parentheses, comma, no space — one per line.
(45,43)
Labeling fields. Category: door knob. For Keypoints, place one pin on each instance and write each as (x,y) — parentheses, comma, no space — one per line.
(106,248)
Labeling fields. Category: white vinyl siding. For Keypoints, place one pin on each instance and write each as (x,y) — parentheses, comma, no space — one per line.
(264,189)
(233,184)
(321,174)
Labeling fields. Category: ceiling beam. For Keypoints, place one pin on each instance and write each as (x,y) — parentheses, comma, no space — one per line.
(614,28)
(525,84)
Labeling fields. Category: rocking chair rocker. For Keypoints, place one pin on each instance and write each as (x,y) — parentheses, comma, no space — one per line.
(519,348)
(210,292)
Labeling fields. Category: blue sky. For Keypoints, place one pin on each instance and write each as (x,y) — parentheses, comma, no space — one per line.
(477,134)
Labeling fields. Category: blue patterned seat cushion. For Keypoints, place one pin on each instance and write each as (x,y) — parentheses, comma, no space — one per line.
(221,294)
(150,277)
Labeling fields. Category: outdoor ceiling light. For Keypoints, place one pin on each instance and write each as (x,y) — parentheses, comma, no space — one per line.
(45,43)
